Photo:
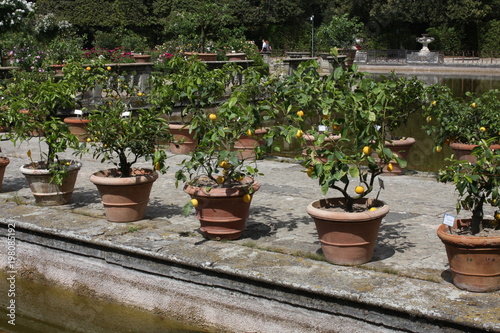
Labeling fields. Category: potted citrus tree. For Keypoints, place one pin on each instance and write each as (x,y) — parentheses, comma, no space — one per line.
(473,244)
(185,90)
(219,179)
(461,122)
(123,136)
(33,101)
(347,225)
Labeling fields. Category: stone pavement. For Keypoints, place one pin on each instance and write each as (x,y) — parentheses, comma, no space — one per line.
(407,283)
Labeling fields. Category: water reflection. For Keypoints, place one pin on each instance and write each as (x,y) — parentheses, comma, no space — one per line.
(44,308)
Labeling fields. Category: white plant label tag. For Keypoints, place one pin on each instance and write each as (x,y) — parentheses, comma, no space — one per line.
(79,112)
(126,114)
(321,128)
(449,220)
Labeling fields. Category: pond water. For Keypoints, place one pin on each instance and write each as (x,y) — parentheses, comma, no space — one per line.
(422,156)
(42,308)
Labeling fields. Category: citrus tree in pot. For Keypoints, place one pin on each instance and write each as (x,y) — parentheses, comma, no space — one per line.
(32,102)
(461,122)
(404,96)
(473,244)
(184,90)
(124,137)
(220,181)
(348,225)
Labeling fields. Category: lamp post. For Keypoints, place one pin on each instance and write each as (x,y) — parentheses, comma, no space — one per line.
(312,35)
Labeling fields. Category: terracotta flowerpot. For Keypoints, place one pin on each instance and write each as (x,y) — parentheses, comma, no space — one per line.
(222,211)
(47,193)
(4,161)
(78,127)
(125,199)
(347,238)
(142,58)
(203,56)
(400,147)
(474,261)
(246,145)
(310,146)
(236,56)
(57,69)
(463,151)
(182,142)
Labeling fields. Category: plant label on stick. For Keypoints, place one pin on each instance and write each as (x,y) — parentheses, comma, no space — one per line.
(78,112)
(449,220)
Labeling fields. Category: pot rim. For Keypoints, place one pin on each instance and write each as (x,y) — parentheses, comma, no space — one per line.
(404,142)
(27,170)
(76,120)
(466,241)
(220,192)
(313,210)
(99,178)
(4,161)
(470,146)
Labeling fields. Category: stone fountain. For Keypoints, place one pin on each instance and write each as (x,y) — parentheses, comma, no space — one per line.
(424,55)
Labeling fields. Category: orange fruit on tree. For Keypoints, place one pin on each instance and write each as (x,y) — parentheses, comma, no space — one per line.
(367,150)
(194,202)
(359,189)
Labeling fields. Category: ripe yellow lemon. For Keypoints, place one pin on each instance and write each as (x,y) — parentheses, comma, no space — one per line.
(89,139)
(140,94)
(219,179)
(367,150)
(212,116)
(157,166)
(300,113)
(249,132)
(373,209)
(299,133)
(438,149)
(247,198)
(194,202)
(428,119)
(497,215)
(390,167)
(88,68)
(359,189)
(474,105)
(108,68)
(434,103)
(224,164)
(482,129)
(310,171)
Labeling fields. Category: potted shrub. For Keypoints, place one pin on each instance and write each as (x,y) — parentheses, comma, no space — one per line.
(123,137)
(184,92)
(461,122)
(404,96)
(33,101)
(220,181)
(473,244)
(348,225)
(304,103)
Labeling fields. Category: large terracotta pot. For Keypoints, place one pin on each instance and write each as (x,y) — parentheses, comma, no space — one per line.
(474,261)
(182,142)
(246,145)
(400,147)
(47,193)
(347,238)
(222,211)
(125,199)
(4,161)
(463,151)
(78,127)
